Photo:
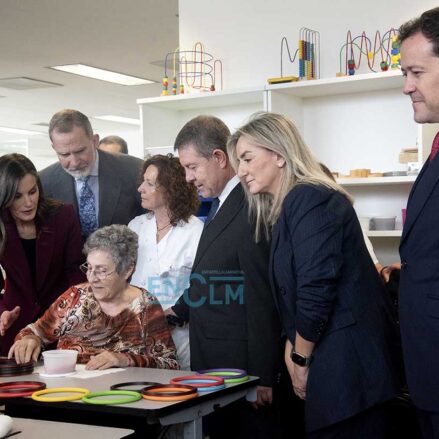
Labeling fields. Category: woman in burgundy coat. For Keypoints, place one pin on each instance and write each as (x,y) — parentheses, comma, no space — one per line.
(40,247)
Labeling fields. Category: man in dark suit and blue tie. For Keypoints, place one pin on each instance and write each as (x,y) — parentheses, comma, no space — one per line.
(101,186)
(232,317)
(419,248)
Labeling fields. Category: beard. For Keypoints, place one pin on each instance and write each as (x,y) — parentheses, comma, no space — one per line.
(82,173)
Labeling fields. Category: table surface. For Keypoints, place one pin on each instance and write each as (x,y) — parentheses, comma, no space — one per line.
(32,428)
(140,408)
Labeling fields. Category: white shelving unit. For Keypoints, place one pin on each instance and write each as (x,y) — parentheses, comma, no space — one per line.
(360,121)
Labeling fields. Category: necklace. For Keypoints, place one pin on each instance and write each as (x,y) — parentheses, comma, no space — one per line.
(163,228)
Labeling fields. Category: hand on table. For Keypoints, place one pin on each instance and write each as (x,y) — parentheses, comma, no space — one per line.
(105,360)
(26,349)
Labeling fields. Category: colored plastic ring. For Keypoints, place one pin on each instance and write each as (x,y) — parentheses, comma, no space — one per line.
(231,376)
(204,388)
(14,389)
(199,381)
(163,390)
(166,392)
(144,384)
(36,396)
(130,397)
(169,398)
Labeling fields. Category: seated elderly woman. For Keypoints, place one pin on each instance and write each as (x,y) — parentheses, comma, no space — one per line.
(108,321)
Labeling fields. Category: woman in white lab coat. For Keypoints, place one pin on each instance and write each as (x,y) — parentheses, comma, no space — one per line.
(168,238)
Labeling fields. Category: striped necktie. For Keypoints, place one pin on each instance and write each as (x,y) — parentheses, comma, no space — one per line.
(213,208)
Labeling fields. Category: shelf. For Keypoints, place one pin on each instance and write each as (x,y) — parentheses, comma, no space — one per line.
(384,233)
(375,181)
(342,85)
(195,101)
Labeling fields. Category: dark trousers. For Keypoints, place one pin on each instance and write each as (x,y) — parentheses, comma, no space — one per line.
(429,423)
(240,420)
(370,424)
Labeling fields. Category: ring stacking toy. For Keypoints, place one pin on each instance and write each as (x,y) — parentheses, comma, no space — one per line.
(9,367)
(143,384)
(231,376)
(204,383)
(80,393)
(169,392)
(129,397)
(16,389)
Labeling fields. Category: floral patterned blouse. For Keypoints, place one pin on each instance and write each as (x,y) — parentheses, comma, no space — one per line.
(77,322)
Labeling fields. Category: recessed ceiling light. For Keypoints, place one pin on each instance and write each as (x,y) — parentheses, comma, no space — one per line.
(101,74)
(20,131)
(120,119)
(23,83)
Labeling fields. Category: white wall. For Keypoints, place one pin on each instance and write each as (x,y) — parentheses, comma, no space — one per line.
(246,35)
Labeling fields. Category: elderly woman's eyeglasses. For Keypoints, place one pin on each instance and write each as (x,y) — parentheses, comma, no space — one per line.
(101,274)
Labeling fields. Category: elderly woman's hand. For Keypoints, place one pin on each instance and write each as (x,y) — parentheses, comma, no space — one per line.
(26,349)
(107,359)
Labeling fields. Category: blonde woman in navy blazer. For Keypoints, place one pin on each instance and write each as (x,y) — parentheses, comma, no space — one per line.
(40,247)
(338,323)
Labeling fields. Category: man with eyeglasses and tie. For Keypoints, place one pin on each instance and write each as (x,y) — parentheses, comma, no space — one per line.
(101,186)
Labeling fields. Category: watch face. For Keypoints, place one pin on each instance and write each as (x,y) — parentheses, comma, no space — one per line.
(300,360)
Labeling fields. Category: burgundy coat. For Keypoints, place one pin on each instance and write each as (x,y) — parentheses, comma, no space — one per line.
(58,256)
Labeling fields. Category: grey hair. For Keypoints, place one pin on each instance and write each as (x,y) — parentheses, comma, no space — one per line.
(63,122)
(278,134)
(205,134)
(119,241)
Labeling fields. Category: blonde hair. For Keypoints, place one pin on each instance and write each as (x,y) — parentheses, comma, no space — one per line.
(278,134)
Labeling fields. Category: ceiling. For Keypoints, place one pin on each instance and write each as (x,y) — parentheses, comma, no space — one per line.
(125,36)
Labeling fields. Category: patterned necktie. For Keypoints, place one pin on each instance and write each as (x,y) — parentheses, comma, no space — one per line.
(213,208)
(87,209)
(434,147)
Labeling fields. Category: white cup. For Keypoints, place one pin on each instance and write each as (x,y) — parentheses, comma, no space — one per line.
(59,361)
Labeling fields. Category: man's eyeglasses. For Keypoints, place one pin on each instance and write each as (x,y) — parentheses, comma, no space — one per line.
(101,274)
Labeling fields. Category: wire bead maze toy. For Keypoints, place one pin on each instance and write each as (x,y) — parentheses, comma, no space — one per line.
(309,57)
(192,69)
(387,47)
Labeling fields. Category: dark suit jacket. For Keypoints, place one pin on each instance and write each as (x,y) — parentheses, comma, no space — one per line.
(119,177)
(58,256)
(419,289)
(233,320)
(329,291)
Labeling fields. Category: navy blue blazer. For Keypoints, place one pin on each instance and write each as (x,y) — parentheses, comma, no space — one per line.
(328,290)
(419,289)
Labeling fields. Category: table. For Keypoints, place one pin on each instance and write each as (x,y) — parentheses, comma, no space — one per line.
(31,428)
(189,412)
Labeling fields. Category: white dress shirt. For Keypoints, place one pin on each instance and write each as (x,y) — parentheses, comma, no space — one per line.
(164,268)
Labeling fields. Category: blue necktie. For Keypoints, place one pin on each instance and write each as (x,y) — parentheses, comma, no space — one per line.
(213,208)
(87,209)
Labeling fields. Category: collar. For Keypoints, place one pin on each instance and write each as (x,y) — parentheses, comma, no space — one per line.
(231,184)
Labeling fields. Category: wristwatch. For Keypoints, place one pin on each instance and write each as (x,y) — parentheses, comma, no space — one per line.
(300,359)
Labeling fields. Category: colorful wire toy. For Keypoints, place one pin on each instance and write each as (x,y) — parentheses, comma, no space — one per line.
(308,51)
(387,47)
(196,69)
